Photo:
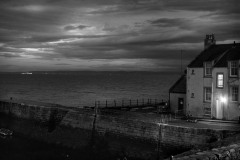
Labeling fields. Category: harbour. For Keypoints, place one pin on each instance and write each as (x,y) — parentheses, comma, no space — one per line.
(140,135)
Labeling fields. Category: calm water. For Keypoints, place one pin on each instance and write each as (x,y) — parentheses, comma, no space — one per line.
(84,88)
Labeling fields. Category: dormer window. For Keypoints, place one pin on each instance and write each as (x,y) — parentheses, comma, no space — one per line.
(208,69)
(233,68)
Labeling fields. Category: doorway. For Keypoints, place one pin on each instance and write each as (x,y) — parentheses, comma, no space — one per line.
(219,109)
(180,103)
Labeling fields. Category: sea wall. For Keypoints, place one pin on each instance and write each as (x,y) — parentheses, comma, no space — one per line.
(68,126)
(224,153)
(229,148)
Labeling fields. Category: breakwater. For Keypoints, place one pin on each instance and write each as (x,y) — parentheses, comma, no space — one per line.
(135,134)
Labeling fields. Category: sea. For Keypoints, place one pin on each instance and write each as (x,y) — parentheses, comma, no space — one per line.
(85,88)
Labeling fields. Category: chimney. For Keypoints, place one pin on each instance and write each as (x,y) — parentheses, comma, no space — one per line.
(209,40)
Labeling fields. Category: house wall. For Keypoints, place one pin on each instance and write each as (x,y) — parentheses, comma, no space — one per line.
(195,85)
(229,110)
(196,105)
(174,101)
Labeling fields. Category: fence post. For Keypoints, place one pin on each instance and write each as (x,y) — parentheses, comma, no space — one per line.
(155,102)
(150,101)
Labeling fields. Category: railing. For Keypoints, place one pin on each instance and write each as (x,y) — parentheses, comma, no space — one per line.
(131,103)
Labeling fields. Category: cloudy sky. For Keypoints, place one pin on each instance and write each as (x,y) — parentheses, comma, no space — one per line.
(145,35)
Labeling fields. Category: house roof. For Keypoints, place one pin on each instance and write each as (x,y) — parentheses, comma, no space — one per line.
(231,54)
(179,86)
(209,54)
(220,54)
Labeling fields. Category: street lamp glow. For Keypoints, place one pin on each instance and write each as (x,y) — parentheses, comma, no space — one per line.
(223,99)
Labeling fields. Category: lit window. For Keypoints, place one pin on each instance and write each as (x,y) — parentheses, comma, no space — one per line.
(208,69)
(234,93)
(233,69)
(220,80)
(207,93)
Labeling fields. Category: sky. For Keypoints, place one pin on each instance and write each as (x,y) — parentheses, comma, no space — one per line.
(111,35)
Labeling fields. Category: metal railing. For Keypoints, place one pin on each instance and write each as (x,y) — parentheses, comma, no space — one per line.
(129,103)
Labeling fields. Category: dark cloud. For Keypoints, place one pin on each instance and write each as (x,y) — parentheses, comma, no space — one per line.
(170,22)
(68,28)
(82,27)
(62,64)
(113,30)
(9,55)
(71,27)
(54,38)
(109,28)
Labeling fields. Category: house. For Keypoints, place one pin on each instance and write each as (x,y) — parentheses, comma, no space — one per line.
(212,82)
(177,95)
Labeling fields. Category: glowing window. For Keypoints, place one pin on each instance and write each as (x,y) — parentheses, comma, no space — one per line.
(220,80)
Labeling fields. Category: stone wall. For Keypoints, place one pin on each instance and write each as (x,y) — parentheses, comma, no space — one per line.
(226,149)
(67,126)
(224,153)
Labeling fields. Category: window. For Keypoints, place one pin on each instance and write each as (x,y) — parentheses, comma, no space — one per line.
(193,72)
(234,93)
(208,68)
(192,95)
(207,94)
(220,80)
(233,68)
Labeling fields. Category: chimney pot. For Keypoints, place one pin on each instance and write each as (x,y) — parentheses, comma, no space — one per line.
(209,40)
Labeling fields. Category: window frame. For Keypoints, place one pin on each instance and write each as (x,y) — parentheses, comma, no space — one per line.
(205,69)
(231,90)
(205,94)
(230,68)
(217,83)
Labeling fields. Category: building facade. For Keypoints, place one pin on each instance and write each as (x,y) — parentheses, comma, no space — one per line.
(212,89)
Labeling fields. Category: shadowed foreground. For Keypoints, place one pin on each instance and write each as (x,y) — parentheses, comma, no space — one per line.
(21,147)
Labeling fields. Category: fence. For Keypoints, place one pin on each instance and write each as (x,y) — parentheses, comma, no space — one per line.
(129,103)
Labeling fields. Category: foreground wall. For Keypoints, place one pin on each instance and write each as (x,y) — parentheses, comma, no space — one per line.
(69,126)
